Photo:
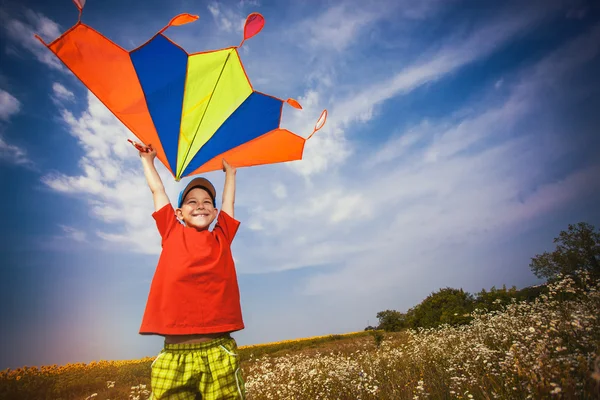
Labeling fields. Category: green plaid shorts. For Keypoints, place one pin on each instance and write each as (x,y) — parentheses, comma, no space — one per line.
(207,371)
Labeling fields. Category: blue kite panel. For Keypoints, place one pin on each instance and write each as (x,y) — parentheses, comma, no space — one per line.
(161,67)
(257,115)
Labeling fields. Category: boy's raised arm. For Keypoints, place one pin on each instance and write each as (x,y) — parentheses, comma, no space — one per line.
(159,195)
(228,189)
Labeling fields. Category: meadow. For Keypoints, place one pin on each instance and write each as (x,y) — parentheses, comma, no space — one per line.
(546,348)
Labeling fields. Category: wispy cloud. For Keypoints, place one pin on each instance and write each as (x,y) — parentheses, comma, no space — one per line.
(22,31)
(424,239)
(280,191)
(61,94)
(14,154)
(9,105)
(74,233)
(111,179)
(226,18)
(351,23)
(337,27)
(437,61)
(440,182)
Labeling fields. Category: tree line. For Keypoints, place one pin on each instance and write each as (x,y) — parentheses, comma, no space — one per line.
(577,249)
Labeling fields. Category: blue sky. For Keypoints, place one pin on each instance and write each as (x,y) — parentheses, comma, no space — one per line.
(462,138)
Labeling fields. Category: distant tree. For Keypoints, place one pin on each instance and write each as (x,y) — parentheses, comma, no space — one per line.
(391,320)
(577,249)
(530,293)
(495,299)
(447,306)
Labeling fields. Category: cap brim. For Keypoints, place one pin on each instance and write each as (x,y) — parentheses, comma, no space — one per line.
(202,182)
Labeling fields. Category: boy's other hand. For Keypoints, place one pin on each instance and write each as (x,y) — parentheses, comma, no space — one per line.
(145,151)
(228,168)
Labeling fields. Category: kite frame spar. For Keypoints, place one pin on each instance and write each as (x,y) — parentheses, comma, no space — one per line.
(247,134)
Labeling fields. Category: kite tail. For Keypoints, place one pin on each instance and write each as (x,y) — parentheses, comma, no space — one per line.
(40,39)
(254,24)
(79,4)
(320,123)
(180,19)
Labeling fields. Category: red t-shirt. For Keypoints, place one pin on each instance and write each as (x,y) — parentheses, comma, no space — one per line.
(194,289)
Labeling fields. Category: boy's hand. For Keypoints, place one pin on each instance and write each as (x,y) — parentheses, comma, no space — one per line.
(146,152)
(228,168)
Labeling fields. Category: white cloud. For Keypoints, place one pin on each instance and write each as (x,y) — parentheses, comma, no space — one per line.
(350,207)
(100,134)
(462,179)
(61,94)
(227,19)
(255,226)
(112,179)
(347,23)
(253,3)
(401,144)
(338,26)
(423,238)
(330,147)
(327,147)
(74,233)
(9,105)
(22,32)
(280,191)
(14,154)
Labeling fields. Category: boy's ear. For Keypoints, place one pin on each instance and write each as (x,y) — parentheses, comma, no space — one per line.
(179,213)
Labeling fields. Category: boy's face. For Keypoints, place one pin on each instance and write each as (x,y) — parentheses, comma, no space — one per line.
(197,210)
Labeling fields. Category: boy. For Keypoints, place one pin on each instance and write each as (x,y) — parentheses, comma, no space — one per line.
(194,300)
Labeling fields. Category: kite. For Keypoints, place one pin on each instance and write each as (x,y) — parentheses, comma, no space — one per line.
(194,109)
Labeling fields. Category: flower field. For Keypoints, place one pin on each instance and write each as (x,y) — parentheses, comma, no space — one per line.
(548,348)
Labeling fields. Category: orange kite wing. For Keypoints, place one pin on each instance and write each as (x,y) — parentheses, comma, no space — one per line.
(278,145)
(107,71)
